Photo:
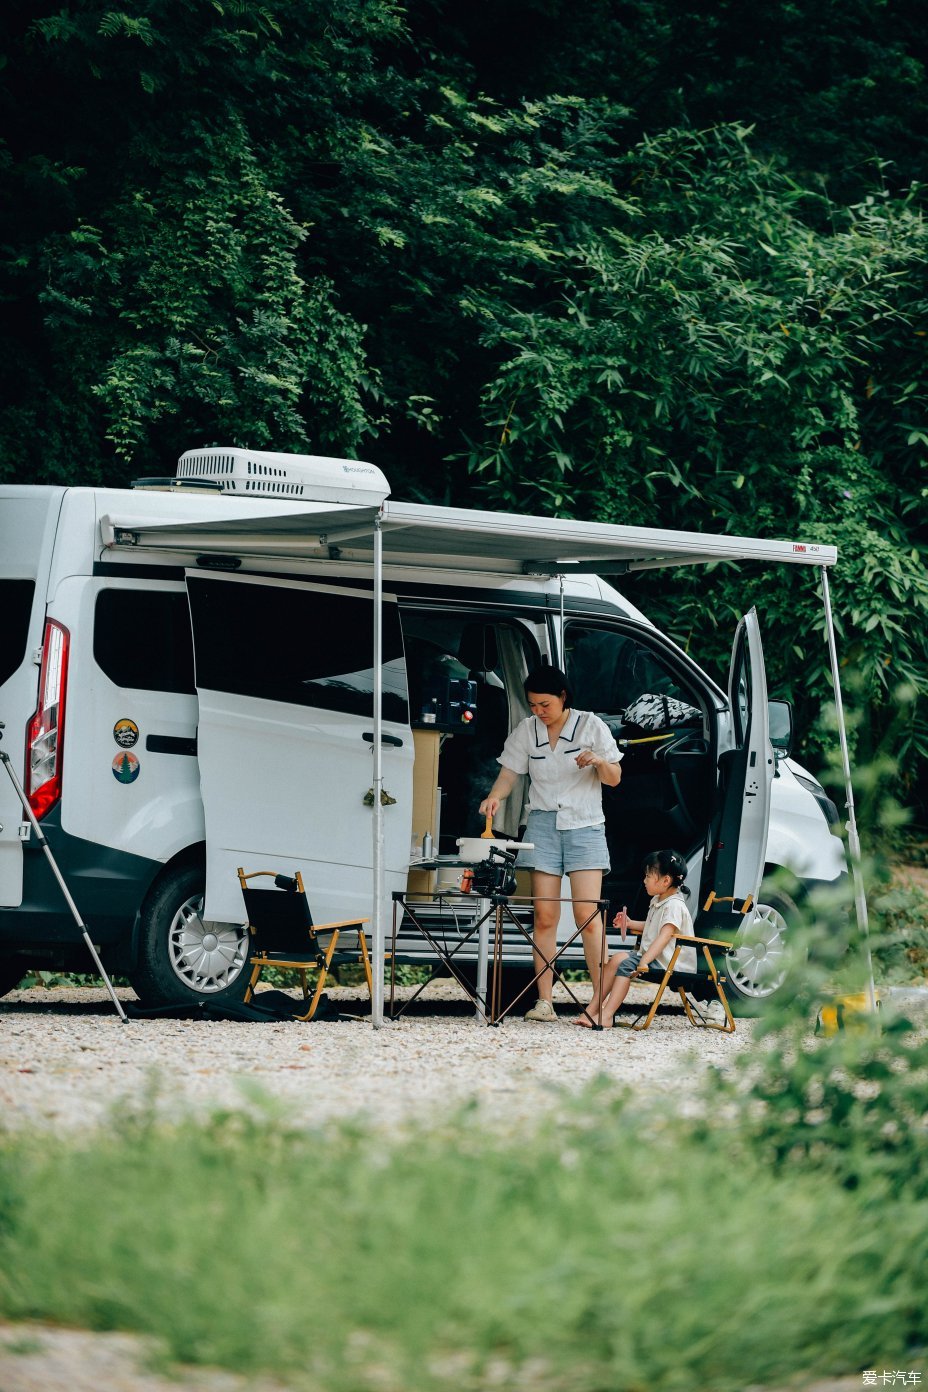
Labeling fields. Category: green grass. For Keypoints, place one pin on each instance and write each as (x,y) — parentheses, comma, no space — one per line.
(782,1234)
(900,914)
(623,1249)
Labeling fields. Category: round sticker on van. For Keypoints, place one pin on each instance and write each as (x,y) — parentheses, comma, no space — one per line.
(126,768)
(126,733)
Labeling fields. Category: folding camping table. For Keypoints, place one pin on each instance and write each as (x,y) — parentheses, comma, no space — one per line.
(472,916)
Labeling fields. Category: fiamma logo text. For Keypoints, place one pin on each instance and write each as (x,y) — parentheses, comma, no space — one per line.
(806,549)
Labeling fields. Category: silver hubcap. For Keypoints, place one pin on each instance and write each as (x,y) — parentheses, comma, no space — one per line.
(758,965)
(206,959)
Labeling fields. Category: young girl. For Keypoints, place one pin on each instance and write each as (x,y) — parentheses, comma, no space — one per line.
(664,873)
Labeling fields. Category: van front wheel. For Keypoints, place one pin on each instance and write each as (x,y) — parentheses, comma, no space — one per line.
(764,950)
(183,959)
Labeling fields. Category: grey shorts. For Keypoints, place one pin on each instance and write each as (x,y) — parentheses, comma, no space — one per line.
(560,852)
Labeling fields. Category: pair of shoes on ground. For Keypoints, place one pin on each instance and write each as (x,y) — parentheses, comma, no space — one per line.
(542,1011)
(714,1011)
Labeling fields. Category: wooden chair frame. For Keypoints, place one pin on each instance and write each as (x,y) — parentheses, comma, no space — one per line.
(683,982)
(316,956)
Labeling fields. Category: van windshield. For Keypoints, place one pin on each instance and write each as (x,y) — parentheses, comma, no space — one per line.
(15,610)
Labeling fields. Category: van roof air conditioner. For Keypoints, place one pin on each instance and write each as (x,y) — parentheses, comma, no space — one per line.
(298,477)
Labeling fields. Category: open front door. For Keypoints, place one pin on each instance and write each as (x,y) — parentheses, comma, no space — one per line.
(737,853)
(285,738)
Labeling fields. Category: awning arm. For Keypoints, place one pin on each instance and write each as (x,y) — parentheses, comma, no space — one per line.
(552,568)
(563,653)
(860,896)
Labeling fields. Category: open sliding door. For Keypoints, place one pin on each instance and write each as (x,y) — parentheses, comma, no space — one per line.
(285,738)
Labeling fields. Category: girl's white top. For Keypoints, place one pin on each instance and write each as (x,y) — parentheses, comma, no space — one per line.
(556,784)
(670,910)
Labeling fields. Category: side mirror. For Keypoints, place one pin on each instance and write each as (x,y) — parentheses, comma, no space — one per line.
(780,720)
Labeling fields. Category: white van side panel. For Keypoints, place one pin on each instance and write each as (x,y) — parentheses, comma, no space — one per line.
(119,794)
(28,521)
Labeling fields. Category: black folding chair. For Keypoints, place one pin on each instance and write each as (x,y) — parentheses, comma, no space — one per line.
(284,935)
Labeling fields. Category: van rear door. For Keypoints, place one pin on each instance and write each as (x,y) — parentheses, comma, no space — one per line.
(285,739)
(737,851)
(28,519)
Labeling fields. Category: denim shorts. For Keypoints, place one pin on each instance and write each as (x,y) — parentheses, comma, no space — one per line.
(560,852)
(629,964)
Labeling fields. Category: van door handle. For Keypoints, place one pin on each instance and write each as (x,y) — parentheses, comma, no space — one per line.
(384,739)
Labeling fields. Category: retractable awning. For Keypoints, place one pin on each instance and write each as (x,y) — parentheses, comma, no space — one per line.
(417,535)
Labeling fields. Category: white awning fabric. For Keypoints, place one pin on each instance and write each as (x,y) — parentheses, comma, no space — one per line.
(418,535)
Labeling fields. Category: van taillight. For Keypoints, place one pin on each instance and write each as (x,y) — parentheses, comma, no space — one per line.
(45,731)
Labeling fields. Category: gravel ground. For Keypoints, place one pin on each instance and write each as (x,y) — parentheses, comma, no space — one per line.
(68,1061)
(43,1358)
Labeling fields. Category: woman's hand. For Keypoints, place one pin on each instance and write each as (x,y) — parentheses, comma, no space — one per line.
(610,774)
(587,759)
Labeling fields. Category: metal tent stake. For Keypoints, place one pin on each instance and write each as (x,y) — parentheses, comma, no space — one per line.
(40,837)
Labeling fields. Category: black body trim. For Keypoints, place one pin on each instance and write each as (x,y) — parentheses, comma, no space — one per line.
(423,591)
(108,887)
(138,571)
(171,744)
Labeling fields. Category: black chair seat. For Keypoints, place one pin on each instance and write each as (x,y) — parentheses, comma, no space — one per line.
(285,937)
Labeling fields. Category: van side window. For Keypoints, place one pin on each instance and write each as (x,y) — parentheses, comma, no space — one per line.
(15,608)
(625,682)
(308,647)
(142,639)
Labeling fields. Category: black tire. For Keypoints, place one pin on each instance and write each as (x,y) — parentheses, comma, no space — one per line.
(11,974)
(181,961)
(760,966)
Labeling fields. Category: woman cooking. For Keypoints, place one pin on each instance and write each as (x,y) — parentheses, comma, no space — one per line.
(568,755)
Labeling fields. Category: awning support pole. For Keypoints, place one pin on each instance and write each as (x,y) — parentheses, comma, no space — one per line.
(853,839)
(563,653)
(378,945)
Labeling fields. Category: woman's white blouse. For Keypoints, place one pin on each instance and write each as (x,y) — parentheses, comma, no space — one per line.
(556,783)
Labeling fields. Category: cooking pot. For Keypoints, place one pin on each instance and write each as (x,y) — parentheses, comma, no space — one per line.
(476,848)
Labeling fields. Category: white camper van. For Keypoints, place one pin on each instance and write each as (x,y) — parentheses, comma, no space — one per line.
(187,675)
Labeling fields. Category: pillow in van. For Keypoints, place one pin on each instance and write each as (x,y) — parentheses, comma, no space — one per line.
(653,712)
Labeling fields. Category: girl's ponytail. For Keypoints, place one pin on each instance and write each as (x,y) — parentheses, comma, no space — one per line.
(668,862)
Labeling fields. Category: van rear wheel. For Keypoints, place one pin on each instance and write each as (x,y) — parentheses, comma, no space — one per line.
(183,959)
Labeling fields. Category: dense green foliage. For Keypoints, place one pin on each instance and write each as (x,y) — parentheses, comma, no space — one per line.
(661,262)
